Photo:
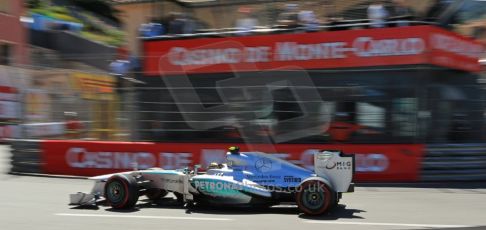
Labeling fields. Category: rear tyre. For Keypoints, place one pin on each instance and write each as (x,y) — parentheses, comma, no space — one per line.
(156,194)
(314,197)
(179,197)
(335,202)
(121,191)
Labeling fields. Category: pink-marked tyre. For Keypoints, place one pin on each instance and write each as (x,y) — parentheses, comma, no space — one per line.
(179,197)
(121,191)
(314,197)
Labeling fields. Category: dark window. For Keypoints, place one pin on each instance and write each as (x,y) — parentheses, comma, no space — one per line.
(368,107)
(4,54)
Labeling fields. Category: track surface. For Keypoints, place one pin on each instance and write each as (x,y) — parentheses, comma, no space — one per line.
(41,203)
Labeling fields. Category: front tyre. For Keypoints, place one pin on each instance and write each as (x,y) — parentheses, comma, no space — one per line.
(121,191)
(314,197)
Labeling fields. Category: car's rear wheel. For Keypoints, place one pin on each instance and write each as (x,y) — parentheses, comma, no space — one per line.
(121,191)
(179,197)
(314,197)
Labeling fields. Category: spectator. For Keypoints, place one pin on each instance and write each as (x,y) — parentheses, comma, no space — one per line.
(437,8)
(290,16)
(135,65)
(308,20)
(189,25)
(437,13)
(377,14)
(331,15)
(151,29)
(402,12)
(182,23)
(176,23)
(73,125)
(246,22)
(156,29)
(144,30)
(120,67)
(400,8)
(479,33)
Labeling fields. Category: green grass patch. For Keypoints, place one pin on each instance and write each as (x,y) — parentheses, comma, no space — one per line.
(92,30)
(56,12)
(103,38)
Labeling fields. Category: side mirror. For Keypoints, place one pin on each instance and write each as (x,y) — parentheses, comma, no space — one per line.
(196,169)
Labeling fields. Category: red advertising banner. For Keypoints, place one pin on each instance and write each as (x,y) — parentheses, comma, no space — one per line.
(380,163)
(321,50)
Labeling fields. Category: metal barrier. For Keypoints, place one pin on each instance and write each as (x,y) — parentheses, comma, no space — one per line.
(454,162)
(282,29)
(441,163)
(26,156)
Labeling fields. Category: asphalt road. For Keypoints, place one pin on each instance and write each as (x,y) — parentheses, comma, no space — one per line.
(41,203)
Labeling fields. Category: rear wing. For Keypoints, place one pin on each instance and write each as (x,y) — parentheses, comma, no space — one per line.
(338,168)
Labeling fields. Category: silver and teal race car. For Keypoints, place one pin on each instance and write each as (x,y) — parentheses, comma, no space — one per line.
(247,178)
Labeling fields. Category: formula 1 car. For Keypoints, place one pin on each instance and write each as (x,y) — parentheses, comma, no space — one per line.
(247,178)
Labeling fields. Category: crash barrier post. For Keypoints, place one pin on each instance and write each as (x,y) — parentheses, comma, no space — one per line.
(454,162)
(26,156)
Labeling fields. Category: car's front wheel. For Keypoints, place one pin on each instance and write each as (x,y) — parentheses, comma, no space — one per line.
(121,191)
(314,197)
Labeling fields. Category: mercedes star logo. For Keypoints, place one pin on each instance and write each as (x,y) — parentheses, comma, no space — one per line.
(263,165)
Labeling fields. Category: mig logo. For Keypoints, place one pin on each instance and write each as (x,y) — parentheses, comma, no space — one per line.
(342,165)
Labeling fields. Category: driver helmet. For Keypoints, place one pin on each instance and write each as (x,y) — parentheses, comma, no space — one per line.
(234,150)
(213,165)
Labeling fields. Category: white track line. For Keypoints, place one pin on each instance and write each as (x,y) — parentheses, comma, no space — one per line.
(387,224)
(142,217)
